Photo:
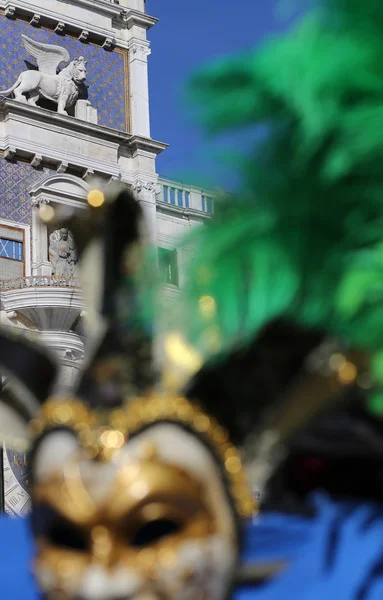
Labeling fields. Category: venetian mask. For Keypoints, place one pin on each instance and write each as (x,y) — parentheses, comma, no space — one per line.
(136,493)
(137,508)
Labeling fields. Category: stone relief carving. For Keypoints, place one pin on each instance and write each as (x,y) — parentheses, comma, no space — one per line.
(62,253)
(140,187)
(140,51)
(63,89)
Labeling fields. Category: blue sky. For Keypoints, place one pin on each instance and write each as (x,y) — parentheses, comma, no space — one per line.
(188,34)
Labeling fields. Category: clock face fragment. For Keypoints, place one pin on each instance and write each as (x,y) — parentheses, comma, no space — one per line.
(17,502)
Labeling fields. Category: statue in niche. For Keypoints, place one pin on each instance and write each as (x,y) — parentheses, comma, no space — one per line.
(62,88)
(62,253)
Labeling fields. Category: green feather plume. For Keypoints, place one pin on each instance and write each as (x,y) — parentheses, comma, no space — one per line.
(304,238)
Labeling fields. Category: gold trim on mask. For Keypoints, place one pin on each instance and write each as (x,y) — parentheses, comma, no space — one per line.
(103,434)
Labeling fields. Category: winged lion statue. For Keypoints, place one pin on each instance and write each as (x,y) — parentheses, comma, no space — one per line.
(62,88)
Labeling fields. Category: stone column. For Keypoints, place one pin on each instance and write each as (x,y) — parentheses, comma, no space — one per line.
(145,192)
(139,87)
(40,262)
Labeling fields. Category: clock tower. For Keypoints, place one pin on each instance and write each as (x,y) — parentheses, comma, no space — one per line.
(74,105)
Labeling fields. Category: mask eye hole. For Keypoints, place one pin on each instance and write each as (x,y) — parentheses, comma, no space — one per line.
(155,530)
(47,523)
(66,535)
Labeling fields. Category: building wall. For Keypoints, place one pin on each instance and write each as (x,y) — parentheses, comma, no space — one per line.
(107,80)
(16,179)
(48,158)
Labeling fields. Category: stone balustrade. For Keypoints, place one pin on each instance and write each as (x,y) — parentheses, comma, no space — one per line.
(184,196)
(39,281)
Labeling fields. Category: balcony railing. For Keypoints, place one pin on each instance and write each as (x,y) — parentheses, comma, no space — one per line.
(39,281)
(186,197)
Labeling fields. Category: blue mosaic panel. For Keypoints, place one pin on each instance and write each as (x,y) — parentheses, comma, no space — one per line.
(16,179)
(105,78)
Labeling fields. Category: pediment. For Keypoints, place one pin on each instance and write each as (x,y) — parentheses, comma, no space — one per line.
(62,189)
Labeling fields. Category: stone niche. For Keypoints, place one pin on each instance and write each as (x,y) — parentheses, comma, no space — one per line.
(50,245)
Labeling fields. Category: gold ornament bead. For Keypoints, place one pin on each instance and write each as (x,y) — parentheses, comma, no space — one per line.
(167,558)
(220,435)
(62,414)
(184,412)
(101,434)
(201,423)
(347,373)
(233,464)
(112,438)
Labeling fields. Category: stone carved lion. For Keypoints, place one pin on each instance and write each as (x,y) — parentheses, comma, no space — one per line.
(62,88)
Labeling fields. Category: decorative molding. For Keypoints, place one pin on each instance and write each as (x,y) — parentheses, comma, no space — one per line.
(54,20)
(88,174)
(139,186)
(84,35)
(10,11)
(60,189)
(139,50)
(10,153)
(51,304)
(67,344)
(21,283)
(36,160)
(114,179)
(62,167)
(35,20)
(109,43)
(99,6)
(60,28)
(138,143)
(131,18)
(37,202)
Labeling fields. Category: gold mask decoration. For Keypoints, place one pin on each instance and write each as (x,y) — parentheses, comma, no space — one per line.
(126,507)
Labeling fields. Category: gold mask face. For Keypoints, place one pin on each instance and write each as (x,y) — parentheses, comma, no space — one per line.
(154,521)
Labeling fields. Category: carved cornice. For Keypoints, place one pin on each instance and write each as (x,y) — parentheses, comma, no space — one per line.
(122,17)
(133,17)
(144,144)
(100,6)
(60,22)
(59,189)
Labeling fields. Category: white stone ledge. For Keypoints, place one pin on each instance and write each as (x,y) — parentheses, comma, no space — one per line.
(180,212)
(144,144)
(104,21)
(27,132)
(133,18)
